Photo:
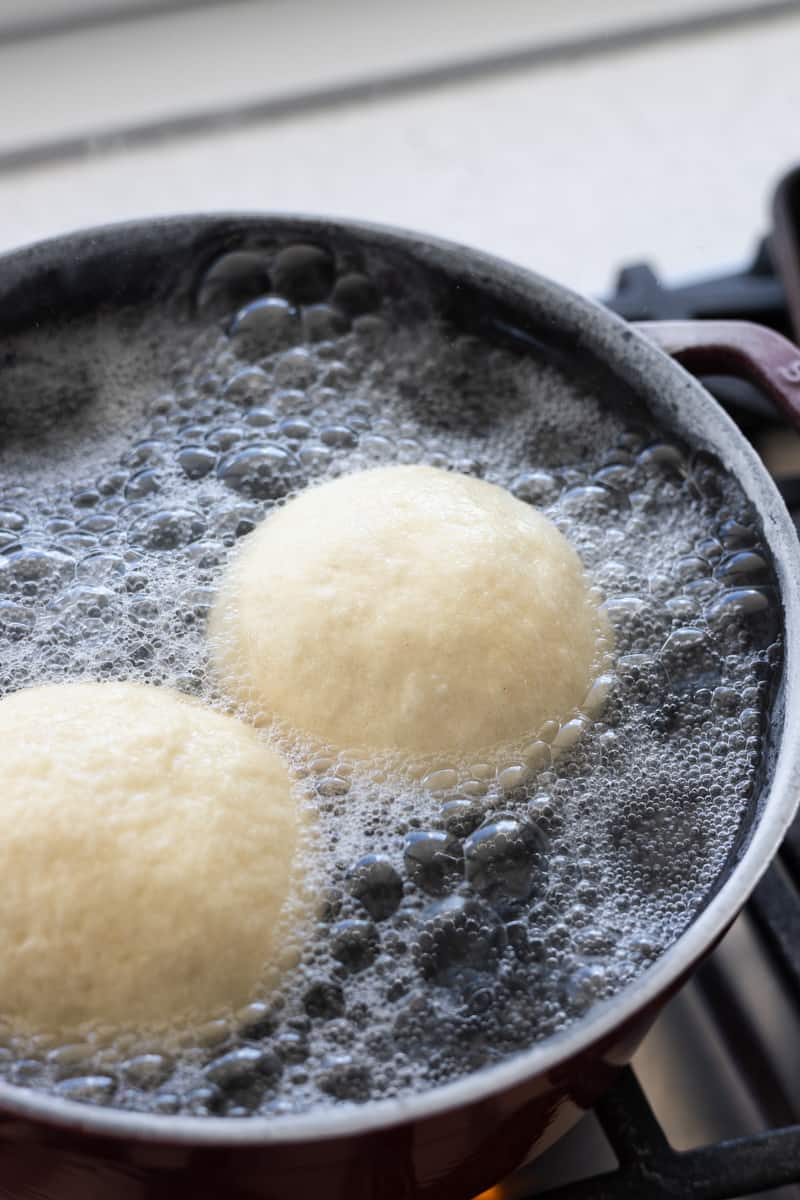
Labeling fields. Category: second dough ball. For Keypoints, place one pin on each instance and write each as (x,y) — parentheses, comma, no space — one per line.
(407,609)
(146,856)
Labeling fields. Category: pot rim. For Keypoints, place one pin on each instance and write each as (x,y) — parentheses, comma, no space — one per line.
(632,357)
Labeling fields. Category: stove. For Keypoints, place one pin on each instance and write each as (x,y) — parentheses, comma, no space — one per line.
(710,1108)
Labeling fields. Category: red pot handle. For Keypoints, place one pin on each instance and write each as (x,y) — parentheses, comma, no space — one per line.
(739,348)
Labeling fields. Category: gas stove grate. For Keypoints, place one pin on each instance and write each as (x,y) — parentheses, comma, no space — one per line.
(649,1169)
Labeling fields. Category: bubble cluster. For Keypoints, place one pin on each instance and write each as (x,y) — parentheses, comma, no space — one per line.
(465,910)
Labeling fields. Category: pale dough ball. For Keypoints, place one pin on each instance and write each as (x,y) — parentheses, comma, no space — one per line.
(145,853)
(407,608)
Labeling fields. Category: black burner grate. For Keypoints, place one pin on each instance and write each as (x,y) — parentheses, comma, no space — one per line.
(649,1169)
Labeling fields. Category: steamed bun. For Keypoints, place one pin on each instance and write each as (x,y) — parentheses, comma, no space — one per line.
(407,609)
(146,849)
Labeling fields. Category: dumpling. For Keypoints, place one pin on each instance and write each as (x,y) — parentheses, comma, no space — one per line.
(146,856)
(408,609)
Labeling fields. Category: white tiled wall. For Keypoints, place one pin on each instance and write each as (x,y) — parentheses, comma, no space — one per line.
(229,54)
(665,151)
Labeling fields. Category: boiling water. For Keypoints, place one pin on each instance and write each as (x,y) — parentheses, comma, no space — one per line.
(470,913)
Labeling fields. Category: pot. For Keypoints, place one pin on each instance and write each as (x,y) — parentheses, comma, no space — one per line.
(455,1140)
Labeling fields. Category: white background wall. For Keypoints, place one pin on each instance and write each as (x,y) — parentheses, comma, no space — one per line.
(570,164)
